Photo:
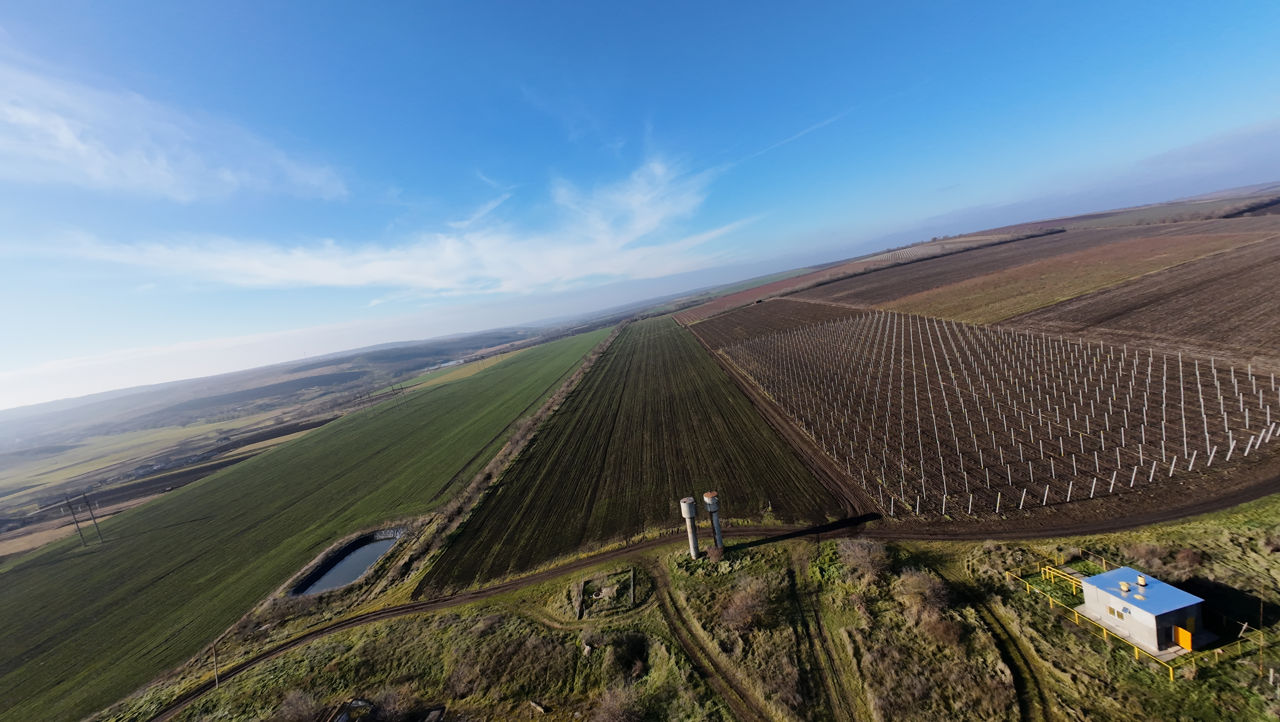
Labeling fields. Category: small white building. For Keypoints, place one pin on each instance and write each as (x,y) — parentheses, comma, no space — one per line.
(1149,613)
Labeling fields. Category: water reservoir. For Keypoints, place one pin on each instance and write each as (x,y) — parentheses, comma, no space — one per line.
(346,565)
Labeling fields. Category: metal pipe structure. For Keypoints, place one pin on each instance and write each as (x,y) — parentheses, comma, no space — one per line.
(689,510)
(712,500)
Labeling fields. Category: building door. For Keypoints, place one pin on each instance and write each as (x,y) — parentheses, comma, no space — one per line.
(1182,637)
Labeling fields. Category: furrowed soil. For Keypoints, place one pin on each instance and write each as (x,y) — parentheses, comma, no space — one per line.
(1000,295)
(653,421)
(1223,305)
(892,284)
(837,271)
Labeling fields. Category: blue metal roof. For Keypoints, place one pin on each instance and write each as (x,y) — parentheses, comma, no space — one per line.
(1155,598)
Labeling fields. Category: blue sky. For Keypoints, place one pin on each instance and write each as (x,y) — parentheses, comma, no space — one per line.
(187,188)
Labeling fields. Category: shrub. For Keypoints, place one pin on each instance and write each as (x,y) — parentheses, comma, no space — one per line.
(920,590)
(397,704)
(746,605)
(619,704)
(1144,554)
(864,558)
(298,706)
(1187,561)
(627,657)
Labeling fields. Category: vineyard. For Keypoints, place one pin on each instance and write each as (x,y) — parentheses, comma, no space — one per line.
(776,314)
(939,417)
(653,421)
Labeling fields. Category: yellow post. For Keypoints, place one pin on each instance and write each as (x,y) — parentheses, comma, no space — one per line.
(1104,633)
(1135,653)
(1077,617)
(1170,673)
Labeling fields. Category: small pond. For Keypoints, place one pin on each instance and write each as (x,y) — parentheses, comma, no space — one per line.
(348,566)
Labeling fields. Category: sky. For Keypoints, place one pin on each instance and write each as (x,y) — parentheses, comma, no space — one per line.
(197,187)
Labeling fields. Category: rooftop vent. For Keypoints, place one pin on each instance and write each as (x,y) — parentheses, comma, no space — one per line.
(1142,580)
(1124,587)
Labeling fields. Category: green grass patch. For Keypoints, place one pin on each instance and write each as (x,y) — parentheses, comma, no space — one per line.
(84,627)
(1086,567)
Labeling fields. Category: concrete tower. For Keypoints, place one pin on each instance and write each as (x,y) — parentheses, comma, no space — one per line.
(689,510)
(712,500)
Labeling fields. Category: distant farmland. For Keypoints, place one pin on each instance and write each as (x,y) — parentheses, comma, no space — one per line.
(853,267)
(1223,304)
(84,627)
(654,420)
(777,314)
(1000,295)
(956,284)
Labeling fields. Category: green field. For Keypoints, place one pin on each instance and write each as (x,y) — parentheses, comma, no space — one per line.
(450,373)
(654,420)
(84,627)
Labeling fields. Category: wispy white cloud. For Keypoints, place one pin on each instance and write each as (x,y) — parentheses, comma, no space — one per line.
(57,131)
(797,136)
(630,229)
(491,182)
(480,213)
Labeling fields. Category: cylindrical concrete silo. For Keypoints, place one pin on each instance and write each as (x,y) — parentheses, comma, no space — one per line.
(712,500)
(689,510)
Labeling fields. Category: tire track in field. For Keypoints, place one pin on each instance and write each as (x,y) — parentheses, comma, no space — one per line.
(809,617)
(1034,703)
(725,684)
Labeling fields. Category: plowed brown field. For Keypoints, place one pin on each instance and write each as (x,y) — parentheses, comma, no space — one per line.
(942,275)
(1227,304)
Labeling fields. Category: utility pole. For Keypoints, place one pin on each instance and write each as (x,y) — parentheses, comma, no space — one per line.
(74,518)
(92,516)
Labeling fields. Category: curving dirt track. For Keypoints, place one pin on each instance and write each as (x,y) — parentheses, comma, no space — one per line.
(722,681)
